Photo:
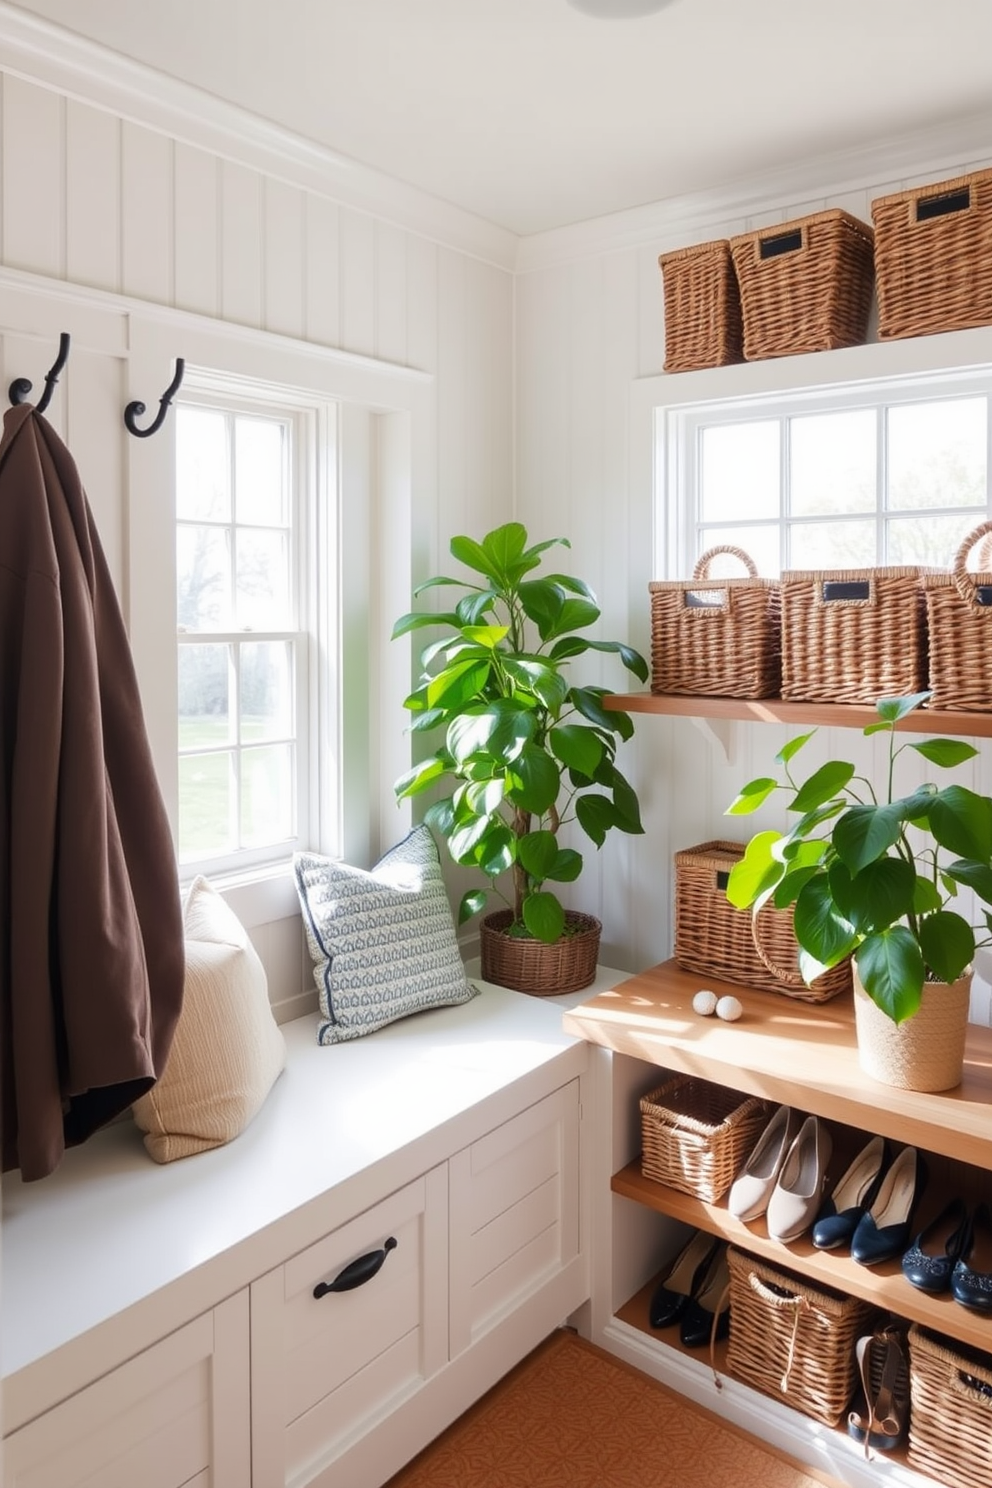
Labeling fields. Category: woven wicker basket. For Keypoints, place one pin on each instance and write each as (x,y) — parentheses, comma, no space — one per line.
(717,940)
(791,1340)
(950,1418)
(805,285)
(716,637)
(933,257)
(568,965)
(703,322)
(959,628)
(696,1135)
(853,635)
(924,1052)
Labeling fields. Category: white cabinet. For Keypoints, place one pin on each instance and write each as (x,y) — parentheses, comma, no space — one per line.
(514,1213)
(328,1365)
(173,1417)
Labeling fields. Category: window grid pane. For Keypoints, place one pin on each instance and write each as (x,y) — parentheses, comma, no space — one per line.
(236,593)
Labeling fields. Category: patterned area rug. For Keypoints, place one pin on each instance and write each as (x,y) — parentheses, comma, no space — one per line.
(573,1416)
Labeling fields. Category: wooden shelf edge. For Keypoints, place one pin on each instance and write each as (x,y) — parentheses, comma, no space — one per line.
(775,710)
(881,1286)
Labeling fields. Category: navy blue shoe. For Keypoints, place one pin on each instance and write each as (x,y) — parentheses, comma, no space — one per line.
(930,1260)
(855,1192)
(672,1295)
(883,1231)
(971,1279)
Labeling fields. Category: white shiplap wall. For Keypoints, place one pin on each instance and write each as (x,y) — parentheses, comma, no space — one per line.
(590,326)
(144,215)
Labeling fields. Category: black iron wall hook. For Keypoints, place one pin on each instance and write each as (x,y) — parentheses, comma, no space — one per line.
(136,409)
(20,387)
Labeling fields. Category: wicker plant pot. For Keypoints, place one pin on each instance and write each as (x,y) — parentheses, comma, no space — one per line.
(926,1052)
(568,965)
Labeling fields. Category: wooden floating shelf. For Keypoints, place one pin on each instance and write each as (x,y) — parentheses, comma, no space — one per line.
(774,710)
(799,1054)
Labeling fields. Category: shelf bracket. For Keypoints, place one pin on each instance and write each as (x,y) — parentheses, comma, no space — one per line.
(719,731)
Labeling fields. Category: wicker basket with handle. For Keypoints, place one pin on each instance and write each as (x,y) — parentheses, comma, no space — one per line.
(959,626)
(805,285)
(950,1415)
(792,1340)
(933,257)
(714,938)
(716,637)
(697,1135)
(703,323)
(853,635)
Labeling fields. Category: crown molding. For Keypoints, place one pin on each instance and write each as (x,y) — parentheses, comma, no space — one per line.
(951,150)
(56,58)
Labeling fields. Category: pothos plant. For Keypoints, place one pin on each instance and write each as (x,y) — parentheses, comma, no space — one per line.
(874,878)
(522,749)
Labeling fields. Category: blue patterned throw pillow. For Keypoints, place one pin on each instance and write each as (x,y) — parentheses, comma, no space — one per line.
(382,940)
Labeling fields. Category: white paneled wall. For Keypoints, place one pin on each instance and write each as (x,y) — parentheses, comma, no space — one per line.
(101,202)
(590,323)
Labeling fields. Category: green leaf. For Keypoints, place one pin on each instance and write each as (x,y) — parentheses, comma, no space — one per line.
(751,796)
(925,896)
(533,780)
(945,752)
(505,545)
(977,876)
(962,822)
(948,944)
(566,867)
(471,607)
(531,674)
(416,620)
(891,969)
(823,785)
(497,851)
(625,804)
(575,614)
(441,817)
(818,924)
(485,797)
(474,556)
(756,872)
(589,702)
(471,904)
(595,815)
(865,833)
(892,709)
(792,747)
(578,746)
(413,781)
(880,894)
(542,602)
(544,917)
(488,636)
(466,836)
(787,892)
(537,852)
(459,684)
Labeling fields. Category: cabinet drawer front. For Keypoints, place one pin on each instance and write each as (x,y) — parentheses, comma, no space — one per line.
(167,1418)
(329,1367)
(514,1213)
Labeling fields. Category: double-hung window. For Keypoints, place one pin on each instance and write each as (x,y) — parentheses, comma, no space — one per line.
(894,472)
(243,642)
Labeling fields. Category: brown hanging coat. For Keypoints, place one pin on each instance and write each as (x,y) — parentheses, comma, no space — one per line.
(91,939)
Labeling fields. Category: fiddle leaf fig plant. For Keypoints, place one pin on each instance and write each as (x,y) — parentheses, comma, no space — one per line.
(874,878)
(522,749)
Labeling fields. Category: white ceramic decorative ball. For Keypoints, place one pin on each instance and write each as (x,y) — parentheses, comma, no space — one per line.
(729,1009)
(704,1003)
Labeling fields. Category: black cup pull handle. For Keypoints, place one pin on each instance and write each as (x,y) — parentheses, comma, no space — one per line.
(357,1272)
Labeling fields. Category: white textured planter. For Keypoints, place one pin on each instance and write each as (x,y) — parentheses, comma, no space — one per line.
(926,1052)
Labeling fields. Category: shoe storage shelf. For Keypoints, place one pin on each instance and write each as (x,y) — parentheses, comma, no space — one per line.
(774,710)
(786,1052)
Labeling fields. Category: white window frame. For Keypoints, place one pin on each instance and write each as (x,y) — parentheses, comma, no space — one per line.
(384,468)
(313,498)
(661,406)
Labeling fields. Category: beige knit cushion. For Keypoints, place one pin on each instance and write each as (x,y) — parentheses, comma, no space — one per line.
(228,1048)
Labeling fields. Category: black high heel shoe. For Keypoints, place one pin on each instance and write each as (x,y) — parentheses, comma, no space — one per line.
(883,1230)
(708,1313)
(672,1295)
(854,1192)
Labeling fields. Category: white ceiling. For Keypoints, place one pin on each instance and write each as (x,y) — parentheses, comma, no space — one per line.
(532,115)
